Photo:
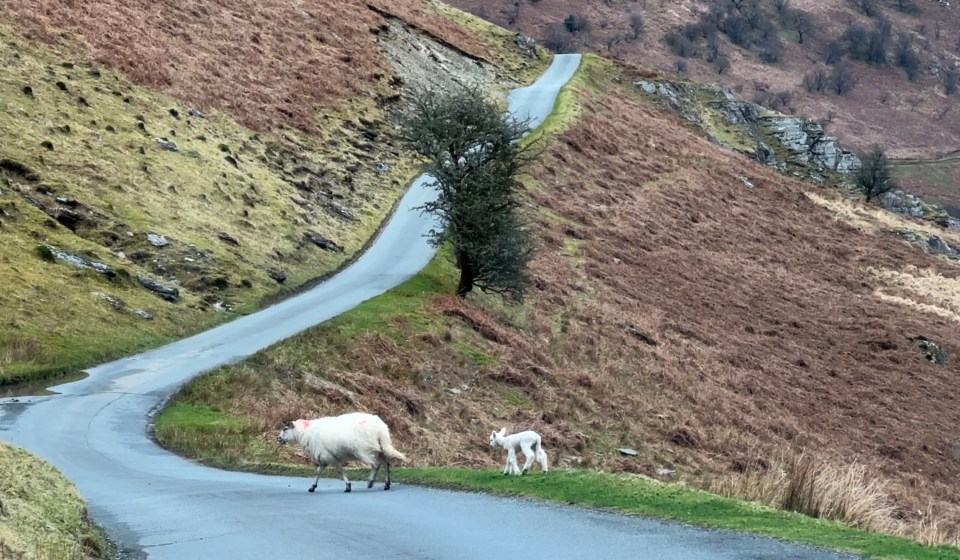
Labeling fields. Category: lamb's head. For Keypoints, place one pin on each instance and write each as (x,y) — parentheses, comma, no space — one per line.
(496,438)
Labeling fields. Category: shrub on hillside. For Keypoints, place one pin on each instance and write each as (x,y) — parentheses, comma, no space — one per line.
(874,177)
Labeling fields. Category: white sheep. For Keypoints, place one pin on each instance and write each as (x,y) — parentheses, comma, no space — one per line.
(528,442)
(335,440)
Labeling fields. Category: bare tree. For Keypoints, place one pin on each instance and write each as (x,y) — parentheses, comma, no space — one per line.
(803,23)
(721,64)
(638,24)
(843,79)
(558,39)
(874,177)
(950,78)
(782,7)
(816,81)
(834,52)
(870,8)
(906,58)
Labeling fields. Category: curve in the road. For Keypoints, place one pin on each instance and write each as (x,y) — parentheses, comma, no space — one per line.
(156,504)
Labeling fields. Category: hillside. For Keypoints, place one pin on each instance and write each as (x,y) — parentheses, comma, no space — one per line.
(718,317)
(903,98)
(166,166)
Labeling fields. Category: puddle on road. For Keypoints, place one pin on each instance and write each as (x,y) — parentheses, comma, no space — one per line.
(39,388)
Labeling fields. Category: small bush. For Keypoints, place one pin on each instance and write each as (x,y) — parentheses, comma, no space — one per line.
(45,253)
(842,80)
(834,52)
(874,177)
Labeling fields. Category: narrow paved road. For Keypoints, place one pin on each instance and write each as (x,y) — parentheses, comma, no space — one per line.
(158,505)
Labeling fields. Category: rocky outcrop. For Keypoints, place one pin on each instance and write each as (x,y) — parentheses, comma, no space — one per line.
(164,292)
(760,132)
(80,262)
(808,143)
(322,242)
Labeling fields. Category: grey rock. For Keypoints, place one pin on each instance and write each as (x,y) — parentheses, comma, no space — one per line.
(646,86)
(527,45)
(116,303)
(382,167)
(146,316)
(627,452)
(340,211)
(157,240)
(739,112)
(80,262)
(643,336)
(167,145)
(766,155)
(227,238)
(931,350)
(664,472)
(902,203)
(196,113)
(322,242)
(167,293)
(746,182)
(941,247)
(278,276)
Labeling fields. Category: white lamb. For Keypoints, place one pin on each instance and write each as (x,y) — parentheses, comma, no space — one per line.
(529,442)
(335,440)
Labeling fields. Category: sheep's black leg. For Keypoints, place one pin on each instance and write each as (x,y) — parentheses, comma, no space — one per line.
(317,480)
(373,475)
(345,479)
(386,485)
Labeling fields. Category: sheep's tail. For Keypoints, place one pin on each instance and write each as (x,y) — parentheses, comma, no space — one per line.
(389,451)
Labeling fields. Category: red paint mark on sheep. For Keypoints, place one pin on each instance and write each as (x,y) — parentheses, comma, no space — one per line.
(305,424)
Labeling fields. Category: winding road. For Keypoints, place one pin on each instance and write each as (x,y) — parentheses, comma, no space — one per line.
(157,505)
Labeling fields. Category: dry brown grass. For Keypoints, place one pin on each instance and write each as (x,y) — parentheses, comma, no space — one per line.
(861,118)
(811,486)
(267,63)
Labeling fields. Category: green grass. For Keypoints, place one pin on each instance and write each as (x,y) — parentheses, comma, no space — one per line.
(42,515)
(104,157)
(641,496)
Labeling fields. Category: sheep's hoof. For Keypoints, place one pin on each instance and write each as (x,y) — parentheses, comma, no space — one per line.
(348,488)
(370,484)
(386,486)
(312,488)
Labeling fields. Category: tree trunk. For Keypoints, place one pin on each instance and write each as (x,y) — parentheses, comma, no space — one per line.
(466,275)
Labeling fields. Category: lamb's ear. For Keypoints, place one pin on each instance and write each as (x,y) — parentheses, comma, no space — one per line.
(502,431)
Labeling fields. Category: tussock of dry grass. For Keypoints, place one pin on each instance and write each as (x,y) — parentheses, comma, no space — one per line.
(923,289)
(809,485)
(873,219)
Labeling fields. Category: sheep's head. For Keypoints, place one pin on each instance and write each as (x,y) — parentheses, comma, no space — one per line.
(286,433)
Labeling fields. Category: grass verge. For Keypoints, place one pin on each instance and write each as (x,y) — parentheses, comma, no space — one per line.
(639,495)
(41,513)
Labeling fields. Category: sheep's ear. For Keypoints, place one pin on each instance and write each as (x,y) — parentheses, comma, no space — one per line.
(503,431)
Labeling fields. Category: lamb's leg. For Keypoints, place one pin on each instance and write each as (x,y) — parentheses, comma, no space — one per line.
(317,480)
(528,455)
(506,468)
(386,485)
(512,462)
(373,475)
(344,475)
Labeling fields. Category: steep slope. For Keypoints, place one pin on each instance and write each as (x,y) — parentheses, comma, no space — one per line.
(913,114)
(689,303)
(159,175)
